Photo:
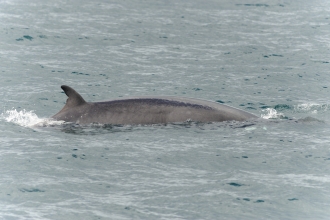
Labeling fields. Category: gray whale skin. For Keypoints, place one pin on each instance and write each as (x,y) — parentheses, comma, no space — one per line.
(146,110)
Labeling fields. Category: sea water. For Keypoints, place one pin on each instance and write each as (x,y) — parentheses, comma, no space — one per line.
(270,58)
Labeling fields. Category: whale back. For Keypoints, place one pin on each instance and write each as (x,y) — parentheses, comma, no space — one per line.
(145,110)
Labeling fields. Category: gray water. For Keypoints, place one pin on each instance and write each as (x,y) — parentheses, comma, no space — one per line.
(270,58)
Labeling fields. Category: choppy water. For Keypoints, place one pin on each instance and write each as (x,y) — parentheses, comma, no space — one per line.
(270,58)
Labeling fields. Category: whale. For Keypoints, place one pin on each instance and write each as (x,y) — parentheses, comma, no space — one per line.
(145,110)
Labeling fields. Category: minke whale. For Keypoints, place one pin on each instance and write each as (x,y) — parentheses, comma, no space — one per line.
(146,110)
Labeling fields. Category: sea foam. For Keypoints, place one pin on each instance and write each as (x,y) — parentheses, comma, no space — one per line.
(27,118)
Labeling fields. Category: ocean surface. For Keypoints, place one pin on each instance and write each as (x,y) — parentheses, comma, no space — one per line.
(270,58)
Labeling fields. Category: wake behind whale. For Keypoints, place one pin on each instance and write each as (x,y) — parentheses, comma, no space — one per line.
(146,110)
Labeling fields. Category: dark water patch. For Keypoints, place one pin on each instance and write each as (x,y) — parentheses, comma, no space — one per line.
(244,199)
(101,156)
(273,55)
(259,201)
(196,89)
(31,190)
(293,199)
(220,101)
(276,55)
(245,157)
(265,107)
(282,107)
(321,61)
(82,156)
(28,37)
(235,184)
(43,36)
(236,125)
(77,73)
(249,103)
(253,5)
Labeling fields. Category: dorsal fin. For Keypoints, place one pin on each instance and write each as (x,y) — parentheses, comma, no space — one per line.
(74,99)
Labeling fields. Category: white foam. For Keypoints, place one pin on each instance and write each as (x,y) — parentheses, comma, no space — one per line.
(27,118)
(311,107)
(271,114)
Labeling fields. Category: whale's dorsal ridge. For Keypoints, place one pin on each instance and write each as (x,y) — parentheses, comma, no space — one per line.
(152,110)
(75,99)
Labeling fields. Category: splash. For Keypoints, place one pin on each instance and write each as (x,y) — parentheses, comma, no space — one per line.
(27,118)
(311,107)
(272,114)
